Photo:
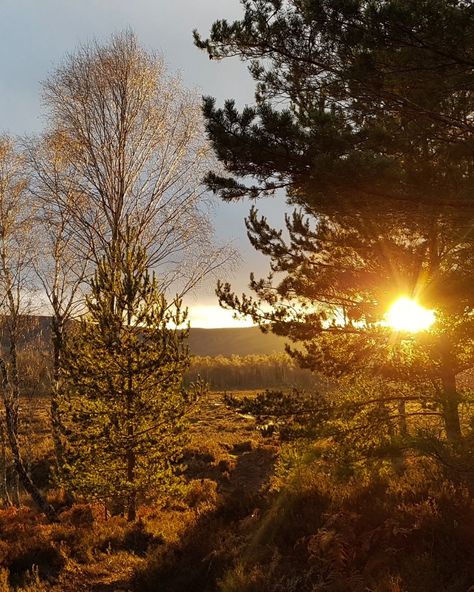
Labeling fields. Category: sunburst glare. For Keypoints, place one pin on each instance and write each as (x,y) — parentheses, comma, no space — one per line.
(406,314)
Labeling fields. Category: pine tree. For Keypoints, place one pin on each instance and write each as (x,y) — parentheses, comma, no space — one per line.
(363,115)
(123,404)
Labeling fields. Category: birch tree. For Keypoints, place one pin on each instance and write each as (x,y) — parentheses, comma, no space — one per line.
(61,265)
(134,143)
(16,254)
(124,144)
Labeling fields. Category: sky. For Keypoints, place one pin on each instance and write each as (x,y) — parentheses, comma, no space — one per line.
(35,35)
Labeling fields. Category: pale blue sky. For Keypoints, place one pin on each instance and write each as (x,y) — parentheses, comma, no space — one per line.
(36,34)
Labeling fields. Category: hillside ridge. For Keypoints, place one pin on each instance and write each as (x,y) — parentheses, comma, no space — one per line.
(225,341)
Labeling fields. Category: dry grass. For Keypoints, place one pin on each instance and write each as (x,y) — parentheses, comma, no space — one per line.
(87,552)
(242,526)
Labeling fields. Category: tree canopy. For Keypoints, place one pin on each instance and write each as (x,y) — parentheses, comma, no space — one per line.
(363,114)
(344,88)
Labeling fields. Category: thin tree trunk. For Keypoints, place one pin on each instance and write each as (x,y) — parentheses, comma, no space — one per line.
(10,423)
(22,473)
(56,424)
(132,497)
(449,396)
(13,390)
(131,460)
(15,488)
(4,478)
(402,419)
(29,434)
(58,340)
(450,403)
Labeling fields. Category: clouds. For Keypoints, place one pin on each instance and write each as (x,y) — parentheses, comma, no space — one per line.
(212,317)
(35,35)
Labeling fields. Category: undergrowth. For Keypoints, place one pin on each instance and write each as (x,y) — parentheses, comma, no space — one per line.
(389,528)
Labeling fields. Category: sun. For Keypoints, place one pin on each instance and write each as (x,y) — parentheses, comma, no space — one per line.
(406,314)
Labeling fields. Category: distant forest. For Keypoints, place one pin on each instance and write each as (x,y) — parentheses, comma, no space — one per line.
(249,372)
(249,359)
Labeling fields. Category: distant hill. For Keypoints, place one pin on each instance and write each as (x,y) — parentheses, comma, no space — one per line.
(202,342)
(226,342)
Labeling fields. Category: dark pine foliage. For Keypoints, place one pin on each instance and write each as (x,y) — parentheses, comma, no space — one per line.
(124,406)
(363,114)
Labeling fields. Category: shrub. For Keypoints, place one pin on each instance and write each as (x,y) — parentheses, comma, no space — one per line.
(241,579)
(385,530)
(201,492)
(138,540)
(34,552)
(4,584)
(79,515)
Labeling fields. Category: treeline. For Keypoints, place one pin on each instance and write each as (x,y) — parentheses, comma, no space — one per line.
(249,372)
(253,371)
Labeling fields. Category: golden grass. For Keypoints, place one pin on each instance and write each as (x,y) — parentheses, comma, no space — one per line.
(86,551)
